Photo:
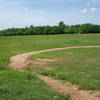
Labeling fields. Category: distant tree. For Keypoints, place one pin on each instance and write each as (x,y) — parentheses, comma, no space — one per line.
(61,23)
(45,30)
(86,28)
(69,30)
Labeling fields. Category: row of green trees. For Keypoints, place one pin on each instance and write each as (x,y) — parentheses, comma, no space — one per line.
(46,30)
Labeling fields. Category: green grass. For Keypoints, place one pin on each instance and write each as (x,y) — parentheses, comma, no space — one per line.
(78,66)
(15,85)
(10,46)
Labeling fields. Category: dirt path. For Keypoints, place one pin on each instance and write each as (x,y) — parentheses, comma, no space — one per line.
(65,88)
(21,60)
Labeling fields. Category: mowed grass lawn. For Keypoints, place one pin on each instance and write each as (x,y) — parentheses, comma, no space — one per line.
(18,86)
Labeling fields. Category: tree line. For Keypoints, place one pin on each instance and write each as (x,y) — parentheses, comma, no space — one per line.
(61,28)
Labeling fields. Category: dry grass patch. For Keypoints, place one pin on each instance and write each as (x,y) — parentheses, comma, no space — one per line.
(41,64)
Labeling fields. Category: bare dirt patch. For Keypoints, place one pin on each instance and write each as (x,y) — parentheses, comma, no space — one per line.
(41,63)
(47,60)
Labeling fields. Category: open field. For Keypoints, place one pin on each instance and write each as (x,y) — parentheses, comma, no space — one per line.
(78,66)
(12,82)
(10,46)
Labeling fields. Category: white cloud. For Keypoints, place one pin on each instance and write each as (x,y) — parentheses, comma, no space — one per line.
(93,9)
(84,11)
(90,10)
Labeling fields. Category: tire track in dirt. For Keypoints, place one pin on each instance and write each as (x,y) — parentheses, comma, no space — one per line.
(21,60)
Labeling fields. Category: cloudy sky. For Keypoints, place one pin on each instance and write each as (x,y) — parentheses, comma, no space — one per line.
(21,13)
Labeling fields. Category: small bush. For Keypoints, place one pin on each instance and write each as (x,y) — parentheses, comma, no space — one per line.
(67,97)
(2,68)
(61,76)
(29,76)
(52,74)
(86,84)
(47,73)
(3,91)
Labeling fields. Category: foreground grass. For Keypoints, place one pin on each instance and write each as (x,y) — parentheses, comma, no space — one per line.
(20,86)
(15,85)
(78,66)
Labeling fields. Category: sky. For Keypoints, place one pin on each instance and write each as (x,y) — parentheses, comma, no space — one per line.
(21,13)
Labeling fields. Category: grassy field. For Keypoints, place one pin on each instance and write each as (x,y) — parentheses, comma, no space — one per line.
(78,66)
(20,86)
(15,85)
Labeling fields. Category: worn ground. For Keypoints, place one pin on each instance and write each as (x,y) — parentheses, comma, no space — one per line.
(21,60)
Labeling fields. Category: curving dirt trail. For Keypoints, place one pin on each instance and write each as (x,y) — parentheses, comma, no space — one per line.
(21,60)
(65,88)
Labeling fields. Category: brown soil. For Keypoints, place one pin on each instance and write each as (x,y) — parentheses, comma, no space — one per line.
(65,88)
(41,64)
(38,65)
(21,60)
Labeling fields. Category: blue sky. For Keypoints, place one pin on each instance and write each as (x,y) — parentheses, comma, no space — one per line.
(21,13)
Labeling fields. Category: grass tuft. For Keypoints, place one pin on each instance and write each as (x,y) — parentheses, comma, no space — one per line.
(86,84)
(61,76)
(29,76)
(67,97)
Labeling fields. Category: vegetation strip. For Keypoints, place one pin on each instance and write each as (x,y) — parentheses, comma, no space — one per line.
(61,28)
(19,61)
